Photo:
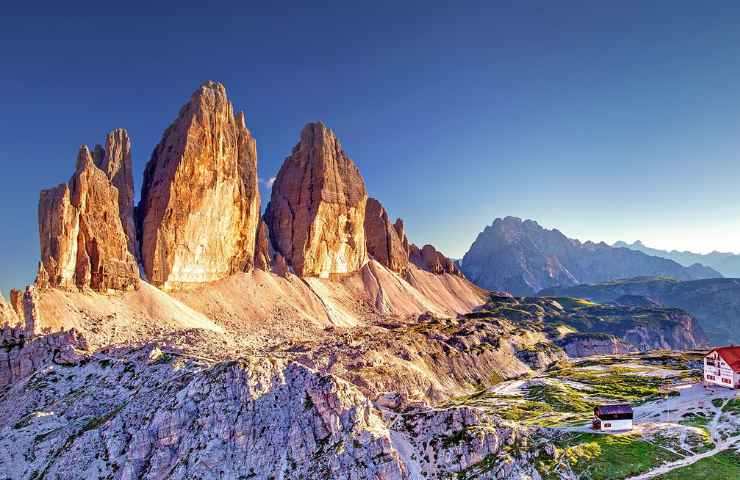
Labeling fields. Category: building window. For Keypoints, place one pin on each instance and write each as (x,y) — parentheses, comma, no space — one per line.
(607,425)
(726,380)
(710,377)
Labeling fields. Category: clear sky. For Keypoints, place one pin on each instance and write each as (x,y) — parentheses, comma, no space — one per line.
(607,122)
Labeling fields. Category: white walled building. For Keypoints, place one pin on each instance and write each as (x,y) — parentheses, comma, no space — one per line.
(613,417)
(722,367)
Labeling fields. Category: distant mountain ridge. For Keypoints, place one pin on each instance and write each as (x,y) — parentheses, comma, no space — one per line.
(714,302)
(726,263)
(522,257)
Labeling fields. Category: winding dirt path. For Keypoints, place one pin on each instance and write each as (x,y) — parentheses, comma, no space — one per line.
(667,467)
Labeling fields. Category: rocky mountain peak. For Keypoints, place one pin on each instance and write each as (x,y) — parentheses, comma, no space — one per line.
(317,209)
(84,158)
(386,242)
(115,161)
(523,257)
(199,212)
(83,241)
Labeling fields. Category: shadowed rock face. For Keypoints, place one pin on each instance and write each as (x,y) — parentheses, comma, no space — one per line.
(386,242)
(83,242)
(263,249)
(317,210)
(199,212)
(16,301)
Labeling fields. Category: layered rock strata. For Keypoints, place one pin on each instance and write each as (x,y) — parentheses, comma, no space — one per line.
(199,212)
(317,209)
(83,241)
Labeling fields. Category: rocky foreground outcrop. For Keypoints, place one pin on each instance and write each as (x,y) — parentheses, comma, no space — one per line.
(199,211)
(83,240)
(22,354)
(523,258)
(151,412)
(317,209)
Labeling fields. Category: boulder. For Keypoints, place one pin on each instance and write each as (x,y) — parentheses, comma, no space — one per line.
(83,242)
(317,209)
(199,212)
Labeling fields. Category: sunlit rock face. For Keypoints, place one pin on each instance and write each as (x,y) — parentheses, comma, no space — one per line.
(83,241)
(430,259)
(8,315)
(115,161)
(386,242)
(317,210)
(199,212)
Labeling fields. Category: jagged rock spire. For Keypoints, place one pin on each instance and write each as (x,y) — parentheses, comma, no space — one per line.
(83,241)
(317,209)
(198,217)
(8,316)
(386,242)
(115,161)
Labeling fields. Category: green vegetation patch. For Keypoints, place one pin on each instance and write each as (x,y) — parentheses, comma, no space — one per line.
(560,397)
(606,457)
(697,420)
(723,466)
(733,406)
(617,383)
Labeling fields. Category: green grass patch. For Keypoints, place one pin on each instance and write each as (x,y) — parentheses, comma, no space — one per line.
(723,466)
(561,397)
(617,383)
(698,420)
(733,406)
(608,457)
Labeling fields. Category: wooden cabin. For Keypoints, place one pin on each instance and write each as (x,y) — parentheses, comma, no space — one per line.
(613,417)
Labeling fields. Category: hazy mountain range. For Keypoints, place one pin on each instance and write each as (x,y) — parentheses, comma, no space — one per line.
(726,263)
(714,302)
(521,257)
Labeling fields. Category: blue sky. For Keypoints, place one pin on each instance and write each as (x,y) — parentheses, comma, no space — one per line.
(607,122)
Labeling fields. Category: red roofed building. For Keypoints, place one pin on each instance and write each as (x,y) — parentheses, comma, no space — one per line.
(722,367)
